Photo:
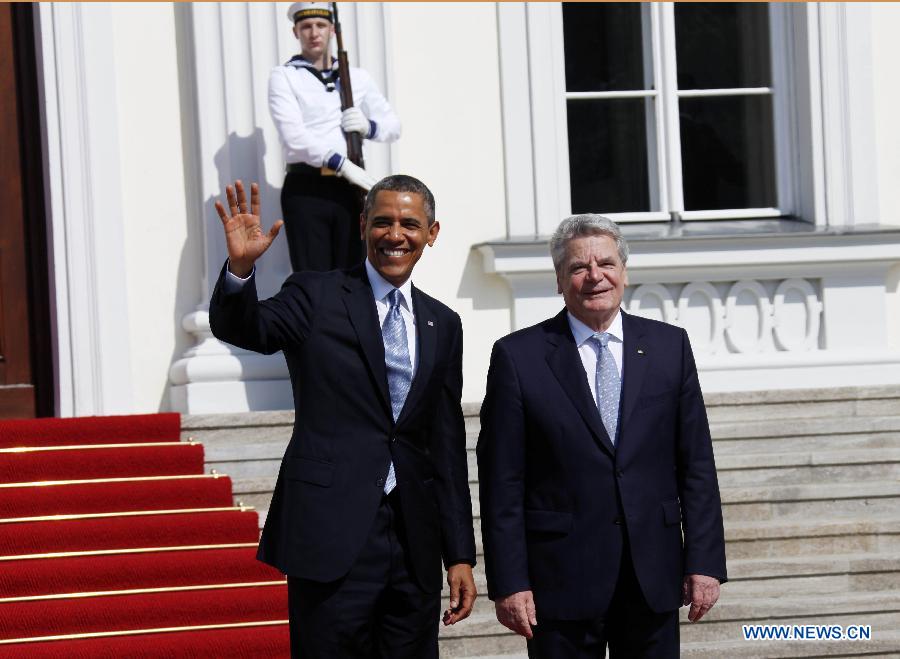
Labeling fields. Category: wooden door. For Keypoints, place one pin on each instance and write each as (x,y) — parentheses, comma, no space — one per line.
(25,355)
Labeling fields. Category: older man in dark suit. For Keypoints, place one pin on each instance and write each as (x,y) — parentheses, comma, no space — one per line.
(594,457)
(373,489)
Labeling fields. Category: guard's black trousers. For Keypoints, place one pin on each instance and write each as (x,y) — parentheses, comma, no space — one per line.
(321,218)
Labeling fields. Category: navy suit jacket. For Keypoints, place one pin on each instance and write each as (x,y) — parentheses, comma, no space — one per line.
(332,477)
(553,486)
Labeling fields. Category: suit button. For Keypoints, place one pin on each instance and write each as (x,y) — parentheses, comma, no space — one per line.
(379,482)
(620,473)
(618,520)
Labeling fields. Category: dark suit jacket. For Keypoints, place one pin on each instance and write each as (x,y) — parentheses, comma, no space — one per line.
(553,486)
(332,476)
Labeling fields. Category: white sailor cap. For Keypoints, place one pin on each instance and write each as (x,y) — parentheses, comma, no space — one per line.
(300,10)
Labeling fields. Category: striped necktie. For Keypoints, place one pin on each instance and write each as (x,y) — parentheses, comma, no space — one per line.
(397,363)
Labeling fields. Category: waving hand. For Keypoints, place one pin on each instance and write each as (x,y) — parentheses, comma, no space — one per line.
(244,236)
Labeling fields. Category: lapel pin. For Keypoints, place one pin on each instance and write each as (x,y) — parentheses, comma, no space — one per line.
(640,351)
(430,323)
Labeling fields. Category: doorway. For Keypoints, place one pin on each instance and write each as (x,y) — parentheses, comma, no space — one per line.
(26,356)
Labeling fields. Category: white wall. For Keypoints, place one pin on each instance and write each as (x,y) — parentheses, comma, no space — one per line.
(445,87)
(885,55)
(163,252)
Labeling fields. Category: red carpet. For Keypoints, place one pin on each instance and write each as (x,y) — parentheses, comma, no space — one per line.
(91,430)
(112,496)
(240,643)
(139,516)
(147,610)
(163,530)
(85,574)
(130,460)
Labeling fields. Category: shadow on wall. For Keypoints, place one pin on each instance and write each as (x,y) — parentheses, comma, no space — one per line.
(241,157)
(487,291)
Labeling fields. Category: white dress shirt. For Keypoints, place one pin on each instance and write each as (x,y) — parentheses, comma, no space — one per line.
(308,116)
(589,350)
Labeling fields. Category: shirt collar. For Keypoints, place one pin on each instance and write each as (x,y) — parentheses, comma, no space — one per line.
(582,332)
(300,61)
(381,286)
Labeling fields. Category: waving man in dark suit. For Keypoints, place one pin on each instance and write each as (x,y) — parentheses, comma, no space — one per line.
(594,457)
(373,489)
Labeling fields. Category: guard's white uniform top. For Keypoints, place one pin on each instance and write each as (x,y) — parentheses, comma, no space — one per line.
(308,116)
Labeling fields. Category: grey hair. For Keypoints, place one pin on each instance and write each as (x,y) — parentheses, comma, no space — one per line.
(579,226)
(402,183)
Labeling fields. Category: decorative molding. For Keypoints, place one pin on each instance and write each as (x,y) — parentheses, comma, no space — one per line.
(739,317)
(85,208)
(789,333)
(536,150)
(848,115)
(708,330)
(748,332)
(653,301)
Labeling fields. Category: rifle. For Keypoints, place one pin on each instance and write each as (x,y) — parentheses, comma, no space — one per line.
(354,140)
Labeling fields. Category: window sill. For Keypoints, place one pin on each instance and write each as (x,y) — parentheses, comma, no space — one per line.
(689,247)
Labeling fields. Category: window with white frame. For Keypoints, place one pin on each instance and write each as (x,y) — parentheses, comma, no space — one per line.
(672,110)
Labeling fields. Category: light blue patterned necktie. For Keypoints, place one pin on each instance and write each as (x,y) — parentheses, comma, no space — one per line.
(608,385)
(397,363)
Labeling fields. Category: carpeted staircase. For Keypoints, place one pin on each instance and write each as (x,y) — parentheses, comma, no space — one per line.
(113,542)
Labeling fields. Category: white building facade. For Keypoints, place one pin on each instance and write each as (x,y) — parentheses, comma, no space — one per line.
(756,178)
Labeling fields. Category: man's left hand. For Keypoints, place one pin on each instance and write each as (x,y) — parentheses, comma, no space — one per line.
(354,121)
(701,592)
(462,593)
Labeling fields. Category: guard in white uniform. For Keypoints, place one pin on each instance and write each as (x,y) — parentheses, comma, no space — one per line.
(321,199)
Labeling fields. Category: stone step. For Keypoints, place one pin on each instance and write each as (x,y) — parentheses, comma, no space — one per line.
(791,404)
(885,643)
(773,538)
(799,428)
(759,522)
(812,574)
(796,467)
(808,467)
(737,408)
(796,435)
(815,500)
(815,536)
(503,644)
(740,504)
(881,610)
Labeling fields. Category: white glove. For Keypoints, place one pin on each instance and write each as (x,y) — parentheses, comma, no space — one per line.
(354,121)
(356,174)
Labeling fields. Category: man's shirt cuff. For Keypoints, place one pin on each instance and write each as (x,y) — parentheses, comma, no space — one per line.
(234,284)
